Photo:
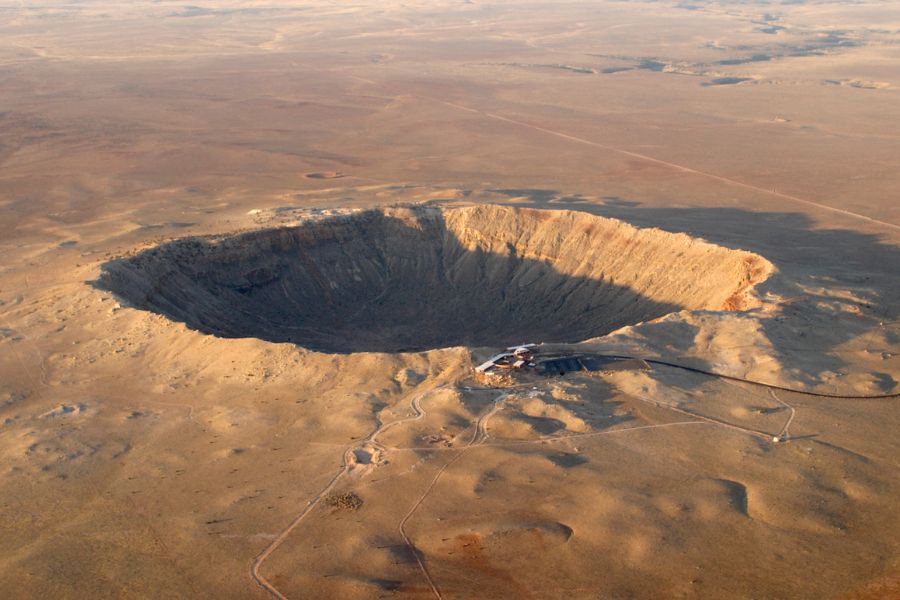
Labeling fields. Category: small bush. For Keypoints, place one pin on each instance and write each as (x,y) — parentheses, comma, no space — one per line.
(345,501)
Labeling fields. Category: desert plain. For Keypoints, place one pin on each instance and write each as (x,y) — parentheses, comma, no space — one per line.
(252,252)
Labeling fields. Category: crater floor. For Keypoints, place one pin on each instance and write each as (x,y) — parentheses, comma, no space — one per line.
(411,279)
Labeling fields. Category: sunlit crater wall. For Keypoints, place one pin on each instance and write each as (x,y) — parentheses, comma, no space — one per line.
(419,278)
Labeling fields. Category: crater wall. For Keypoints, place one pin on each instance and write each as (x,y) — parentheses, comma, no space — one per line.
(411,279)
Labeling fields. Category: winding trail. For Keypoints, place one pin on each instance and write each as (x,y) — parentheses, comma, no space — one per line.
(268,550)
(346,463)
(409,544)
(784,433)
(480,437)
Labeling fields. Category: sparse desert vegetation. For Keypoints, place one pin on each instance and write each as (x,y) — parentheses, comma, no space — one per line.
(343,501)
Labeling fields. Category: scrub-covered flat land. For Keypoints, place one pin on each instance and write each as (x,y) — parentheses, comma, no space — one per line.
(251,252)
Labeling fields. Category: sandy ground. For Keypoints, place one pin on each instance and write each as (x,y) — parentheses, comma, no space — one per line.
(143,458)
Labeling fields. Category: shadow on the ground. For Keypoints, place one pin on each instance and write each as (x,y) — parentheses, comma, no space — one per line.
(841,285)
(372,283)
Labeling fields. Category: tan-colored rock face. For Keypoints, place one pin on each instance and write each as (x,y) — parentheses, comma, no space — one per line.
(422,278)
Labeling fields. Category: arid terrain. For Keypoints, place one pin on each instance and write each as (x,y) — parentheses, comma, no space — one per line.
(251,253)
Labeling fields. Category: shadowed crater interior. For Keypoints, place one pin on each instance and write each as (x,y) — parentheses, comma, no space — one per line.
(410,279)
